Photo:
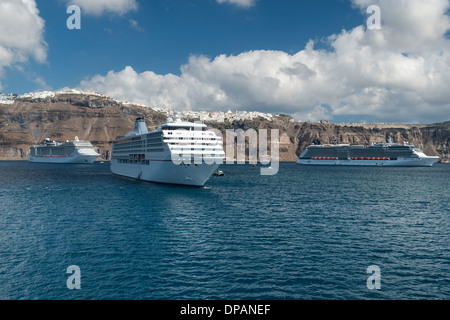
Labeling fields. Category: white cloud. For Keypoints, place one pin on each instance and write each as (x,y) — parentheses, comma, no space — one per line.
(135,25)
(400,73)
(411,25)
(240,3)
(99,7)
(21,33)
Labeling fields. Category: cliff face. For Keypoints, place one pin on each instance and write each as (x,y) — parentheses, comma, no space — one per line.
(434,139)
(92,118)
(100,120)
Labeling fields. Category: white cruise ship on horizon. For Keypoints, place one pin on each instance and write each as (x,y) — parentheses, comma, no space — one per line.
(74,152)
(388,154)
(177,152)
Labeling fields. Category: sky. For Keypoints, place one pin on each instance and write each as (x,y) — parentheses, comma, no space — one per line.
(314,60)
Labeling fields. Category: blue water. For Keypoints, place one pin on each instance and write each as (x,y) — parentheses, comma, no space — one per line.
(306,233)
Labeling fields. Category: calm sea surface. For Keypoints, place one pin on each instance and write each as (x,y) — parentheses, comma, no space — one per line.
(306,233)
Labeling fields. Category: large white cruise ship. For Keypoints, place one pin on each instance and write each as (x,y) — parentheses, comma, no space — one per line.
(383,154)
(76,152)
(177,152)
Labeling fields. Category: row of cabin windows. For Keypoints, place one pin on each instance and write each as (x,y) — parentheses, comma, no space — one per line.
(136,144)
(190,149)
(125,149)
(141,162)
(193,138)
(153,135)
(127,146)
(169,129)
(139,151)
(154,145)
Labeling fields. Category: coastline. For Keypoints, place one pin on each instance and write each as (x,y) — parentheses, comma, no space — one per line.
(107,161)
(100,120)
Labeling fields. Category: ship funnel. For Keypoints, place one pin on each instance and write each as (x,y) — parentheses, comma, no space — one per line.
(140,127)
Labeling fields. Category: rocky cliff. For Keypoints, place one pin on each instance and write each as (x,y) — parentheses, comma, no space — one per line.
(100,119)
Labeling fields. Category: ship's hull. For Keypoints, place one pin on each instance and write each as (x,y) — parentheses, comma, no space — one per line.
(407,162)
(166,172)
(80,159)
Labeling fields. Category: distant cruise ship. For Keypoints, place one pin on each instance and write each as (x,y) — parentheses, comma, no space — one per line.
(384,154)
(178,152)
(77,152)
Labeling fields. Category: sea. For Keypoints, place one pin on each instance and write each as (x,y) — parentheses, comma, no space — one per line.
(77,232)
